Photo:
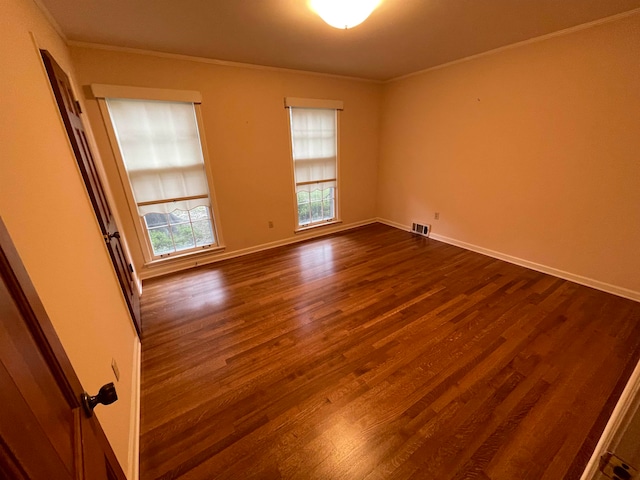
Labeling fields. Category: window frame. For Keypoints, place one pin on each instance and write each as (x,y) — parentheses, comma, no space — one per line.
(310,103)
(102,93)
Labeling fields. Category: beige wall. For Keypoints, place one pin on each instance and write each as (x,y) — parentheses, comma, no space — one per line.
(246,127)
(531,152)
(47,212)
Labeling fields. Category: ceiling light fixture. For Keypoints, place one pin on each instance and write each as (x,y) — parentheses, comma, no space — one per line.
(344,13)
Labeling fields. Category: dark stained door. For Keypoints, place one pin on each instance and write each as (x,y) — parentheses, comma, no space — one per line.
(44,433)
(70,112)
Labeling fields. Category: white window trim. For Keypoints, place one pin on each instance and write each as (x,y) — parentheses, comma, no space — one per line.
(101,93)
(337,105)
(143,93)
(313,103)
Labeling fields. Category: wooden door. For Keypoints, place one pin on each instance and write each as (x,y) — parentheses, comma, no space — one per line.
(70,111)
(44,432)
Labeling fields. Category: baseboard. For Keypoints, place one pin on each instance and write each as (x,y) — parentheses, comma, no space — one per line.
(589,282)
(165,269)
(133,472)
(627,406)
(399,226)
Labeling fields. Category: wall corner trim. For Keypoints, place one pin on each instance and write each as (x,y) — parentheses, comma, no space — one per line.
(133,472)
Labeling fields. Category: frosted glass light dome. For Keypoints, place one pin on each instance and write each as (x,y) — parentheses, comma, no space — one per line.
(344,13)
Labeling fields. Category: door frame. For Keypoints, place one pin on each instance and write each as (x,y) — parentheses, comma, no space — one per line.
(626,411)
(70,113)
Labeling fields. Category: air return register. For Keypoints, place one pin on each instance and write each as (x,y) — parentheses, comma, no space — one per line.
(421,229)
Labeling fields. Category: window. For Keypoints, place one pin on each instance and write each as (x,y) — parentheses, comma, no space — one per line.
(159,145)
(314,145)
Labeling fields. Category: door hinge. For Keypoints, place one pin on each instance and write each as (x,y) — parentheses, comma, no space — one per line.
(78,107)
(109,236)
(131,268)
(614,467)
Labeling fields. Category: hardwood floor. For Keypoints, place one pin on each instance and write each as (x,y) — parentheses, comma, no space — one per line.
(376,354)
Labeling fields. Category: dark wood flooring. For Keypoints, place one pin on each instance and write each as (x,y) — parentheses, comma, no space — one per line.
(376,354)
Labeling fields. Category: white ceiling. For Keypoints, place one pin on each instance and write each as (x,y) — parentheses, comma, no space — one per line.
(400,37)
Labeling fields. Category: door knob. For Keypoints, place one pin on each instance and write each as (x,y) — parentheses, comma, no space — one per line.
(106,396)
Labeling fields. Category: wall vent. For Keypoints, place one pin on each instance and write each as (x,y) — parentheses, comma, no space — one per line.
(420,229)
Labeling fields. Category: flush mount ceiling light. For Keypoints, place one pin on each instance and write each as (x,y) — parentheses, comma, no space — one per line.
(344,13)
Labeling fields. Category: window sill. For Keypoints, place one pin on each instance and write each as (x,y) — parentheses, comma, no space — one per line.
(184,256)
(317,225)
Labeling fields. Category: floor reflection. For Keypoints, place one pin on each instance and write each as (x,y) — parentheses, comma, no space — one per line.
(316,260)
(207,289)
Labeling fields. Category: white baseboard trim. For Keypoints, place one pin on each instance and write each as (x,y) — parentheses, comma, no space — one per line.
(624,411)
(165,269)
(133,472)
(399,226)
(589,282)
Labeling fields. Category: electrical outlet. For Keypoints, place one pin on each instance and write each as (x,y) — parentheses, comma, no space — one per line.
(114,367)
(436,216)
(270,224)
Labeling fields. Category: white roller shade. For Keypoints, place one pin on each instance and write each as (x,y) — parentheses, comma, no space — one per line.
(161,151)
(314,143)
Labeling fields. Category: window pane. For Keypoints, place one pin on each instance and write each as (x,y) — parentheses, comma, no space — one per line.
(304,214)
(327,209)
(183,236)
(180,230)
(161,241)
(178,216)
(303,197)
(156,219)
(199,213)
(316,211)
(316,196)
(203,233)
